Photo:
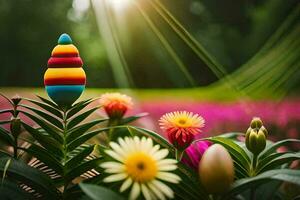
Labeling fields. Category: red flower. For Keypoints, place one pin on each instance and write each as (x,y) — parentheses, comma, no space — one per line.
(115,104)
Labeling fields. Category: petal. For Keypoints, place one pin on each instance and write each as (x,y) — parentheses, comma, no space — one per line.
(146,192)
(154,150)
(166,176)
(156,191)
(126,185)
(116,147)
(161,154)
(135,191)
(167,168)
(137,142)
(166,162)
(115,177)
(111,164)
(114,155)
(164,188)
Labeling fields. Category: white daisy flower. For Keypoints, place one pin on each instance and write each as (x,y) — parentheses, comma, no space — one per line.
(142,166)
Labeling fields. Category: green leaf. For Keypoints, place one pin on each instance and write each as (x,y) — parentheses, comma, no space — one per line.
(240,171)
(5,168)
(288,175)
(53,120)
(76,120)
(235,151)
(31,177)
(46,141)
(4,154)
(10,190)
(6,137)
(96,192)
(182,33)
(79,130)
(266,160)
(232,135)
(50,129)
(190,184)
(280,160)
(50,103)
(272,148)
(78,107)
(44,156)
(53,110)
(82,168)
(83,138)
(79,157)
(268,190)
(132,118)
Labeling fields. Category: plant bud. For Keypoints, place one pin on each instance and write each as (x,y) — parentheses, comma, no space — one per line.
(216,169)
(256,123)
(15,126)
(256,141)
(264,130)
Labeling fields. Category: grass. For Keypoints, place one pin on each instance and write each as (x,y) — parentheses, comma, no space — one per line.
(208,93)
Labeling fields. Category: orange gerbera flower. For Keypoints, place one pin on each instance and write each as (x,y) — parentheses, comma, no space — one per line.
(181,127)
(116,104)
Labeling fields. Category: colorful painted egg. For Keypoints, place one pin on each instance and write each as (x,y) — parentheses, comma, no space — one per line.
(65,78)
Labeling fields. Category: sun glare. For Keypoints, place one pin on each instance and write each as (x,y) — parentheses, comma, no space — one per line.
(119,4)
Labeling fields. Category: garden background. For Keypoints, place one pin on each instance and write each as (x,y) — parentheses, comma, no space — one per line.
(227,61)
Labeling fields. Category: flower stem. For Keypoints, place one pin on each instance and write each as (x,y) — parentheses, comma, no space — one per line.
(252,193)
(112,123)
(253,173)
(178,154)
(253,165)
(64,148)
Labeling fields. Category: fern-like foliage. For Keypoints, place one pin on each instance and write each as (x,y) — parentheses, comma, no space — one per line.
(48,154)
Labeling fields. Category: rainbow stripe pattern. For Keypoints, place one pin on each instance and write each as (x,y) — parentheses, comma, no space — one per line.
(65,78)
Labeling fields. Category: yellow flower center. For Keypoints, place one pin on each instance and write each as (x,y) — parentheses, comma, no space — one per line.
(183,122)
(141,167)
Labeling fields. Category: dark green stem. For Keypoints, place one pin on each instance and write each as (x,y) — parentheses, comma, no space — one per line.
(15,146)
(253,173)
(253,165)
(65,130)
(178,154)
(111,123)
(252,193)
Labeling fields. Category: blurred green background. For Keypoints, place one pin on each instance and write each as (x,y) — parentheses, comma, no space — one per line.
(231,31)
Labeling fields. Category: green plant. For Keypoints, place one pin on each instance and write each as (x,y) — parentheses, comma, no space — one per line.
(53,159)
(261,168)
(47,163)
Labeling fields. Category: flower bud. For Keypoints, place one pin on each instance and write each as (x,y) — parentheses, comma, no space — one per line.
(194,153)
(264,130)
(256,123)
(256,141)
(116,104)
(216,169)
(15,126)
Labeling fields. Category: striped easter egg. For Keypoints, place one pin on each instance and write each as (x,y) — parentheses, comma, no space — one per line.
(65,78)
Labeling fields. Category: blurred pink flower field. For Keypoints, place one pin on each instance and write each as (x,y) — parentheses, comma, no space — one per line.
(282,119)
